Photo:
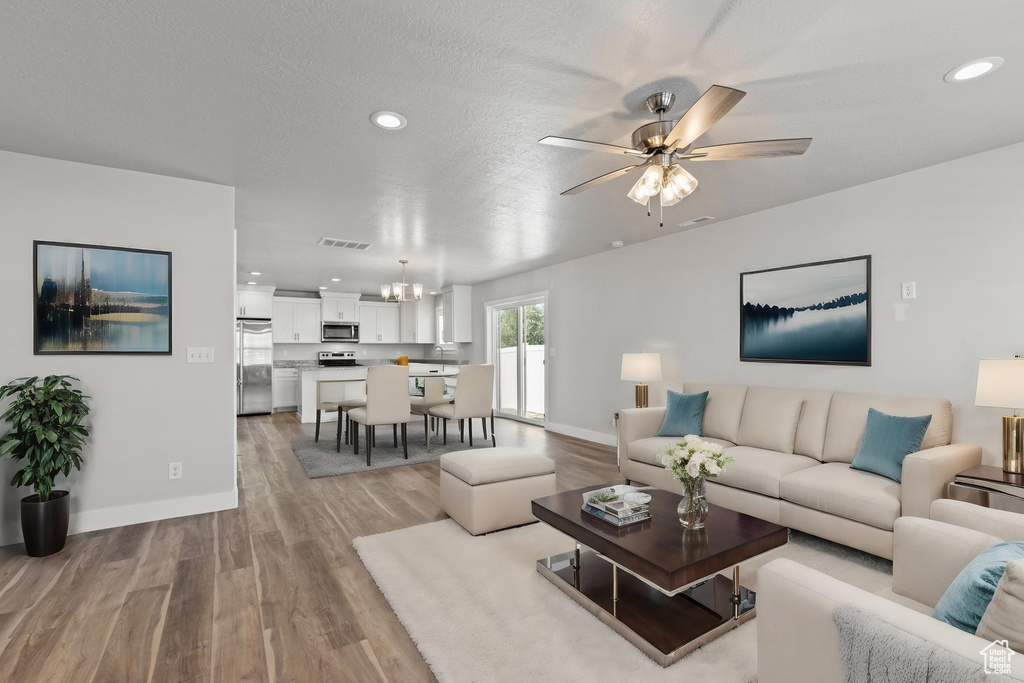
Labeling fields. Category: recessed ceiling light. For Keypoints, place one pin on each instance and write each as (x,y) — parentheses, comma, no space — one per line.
(617,243)
(255,273)
(974,69)
(388,120)
(250,283)
(335,279)
(323,288)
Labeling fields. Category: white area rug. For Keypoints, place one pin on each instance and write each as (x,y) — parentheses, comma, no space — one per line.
(478,610)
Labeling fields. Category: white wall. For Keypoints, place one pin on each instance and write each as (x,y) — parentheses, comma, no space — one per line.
(146,410)
(955,229)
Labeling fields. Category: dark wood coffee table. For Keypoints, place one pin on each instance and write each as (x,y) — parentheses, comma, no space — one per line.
(669,598)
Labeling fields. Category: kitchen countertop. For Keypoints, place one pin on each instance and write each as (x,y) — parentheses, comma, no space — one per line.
(313,365)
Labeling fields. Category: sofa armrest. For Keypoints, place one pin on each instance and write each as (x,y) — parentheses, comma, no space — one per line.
(1006,525)
(927,556)
(635,424)
(798,642)
(926,474)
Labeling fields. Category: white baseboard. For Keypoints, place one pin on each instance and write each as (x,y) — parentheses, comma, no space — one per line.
(580,433)
(107,518)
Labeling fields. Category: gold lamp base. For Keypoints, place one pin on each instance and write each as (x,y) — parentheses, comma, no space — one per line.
(641,396)
(1013,443)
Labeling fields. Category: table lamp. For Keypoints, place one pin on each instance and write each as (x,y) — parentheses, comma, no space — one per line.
(641,368)
(1001,385)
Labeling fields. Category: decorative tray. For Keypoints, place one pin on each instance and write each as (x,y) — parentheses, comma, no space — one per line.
(609,504)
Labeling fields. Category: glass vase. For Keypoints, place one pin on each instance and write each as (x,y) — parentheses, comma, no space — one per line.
(693,508)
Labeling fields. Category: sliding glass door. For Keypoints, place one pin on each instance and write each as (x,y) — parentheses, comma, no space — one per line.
(519,331)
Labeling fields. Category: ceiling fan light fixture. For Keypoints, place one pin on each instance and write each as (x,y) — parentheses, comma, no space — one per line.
(679,181)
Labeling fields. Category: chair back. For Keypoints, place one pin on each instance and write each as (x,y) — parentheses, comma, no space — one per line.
(387,394)
(329,390)
(433,390)
(474,394)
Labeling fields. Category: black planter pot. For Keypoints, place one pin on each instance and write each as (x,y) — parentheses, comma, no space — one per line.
(45,525)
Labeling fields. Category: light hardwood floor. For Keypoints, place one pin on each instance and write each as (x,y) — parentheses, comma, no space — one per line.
(271,591)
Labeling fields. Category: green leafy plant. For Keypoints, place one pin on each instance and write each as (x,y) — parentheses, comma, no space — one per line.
(603,496)
(46,434)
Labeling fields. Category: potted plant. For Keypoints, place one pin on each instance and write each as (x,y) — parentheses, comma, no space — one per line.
(46,438)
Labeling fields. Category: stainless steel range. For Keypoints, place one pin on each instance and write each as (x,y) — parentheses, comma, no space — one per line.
(336,359)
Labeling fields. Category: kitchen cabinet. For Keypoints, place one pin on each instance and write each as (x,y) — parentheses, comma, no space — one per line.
(254,301)
(338,308)
(378,323)
(457,314)
(286,389)
(418,325)
(296,321)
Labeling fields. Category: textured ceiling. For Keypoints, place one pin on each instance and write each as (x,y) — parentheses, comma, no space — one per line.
(275,98)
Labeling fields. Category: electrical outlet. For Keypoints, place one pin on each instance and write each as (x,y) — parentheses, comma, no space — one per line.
(908,290)
(174,470)
(199,354)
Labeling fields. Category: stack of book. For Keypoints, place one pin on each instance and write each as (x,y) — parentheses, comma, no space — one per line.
(618,513)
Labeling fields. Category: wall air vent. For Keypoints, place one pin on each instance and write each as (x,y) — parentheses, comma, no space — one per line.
(695,221)
(344,244)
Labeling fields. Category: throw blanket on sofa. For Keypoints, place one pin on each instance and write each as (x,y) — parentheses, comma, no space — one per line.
(872,650)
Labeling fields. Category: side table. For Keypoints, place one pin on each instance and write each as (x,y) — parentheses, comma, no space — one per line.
(989,487)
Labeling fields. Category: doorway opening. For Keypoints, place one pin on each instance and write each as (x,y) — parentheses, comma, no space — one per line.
(519,328)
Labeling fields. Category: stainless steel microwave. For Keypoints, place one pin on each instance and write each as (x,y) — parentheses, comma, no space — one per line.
(340,332)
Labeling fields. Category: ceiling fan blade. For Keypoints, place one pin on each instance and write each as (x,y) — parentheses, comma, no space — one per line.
(602,178)
(591,146)
(758,149)
(705,112)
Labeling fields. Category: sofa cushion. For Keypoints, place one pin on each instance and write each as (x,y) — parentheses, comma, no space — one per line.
(849,415)
(760,471)
(684,414)
(810,430)
(965,601)
(768,421)
(1003,618)
(888,440)
(836,489)
(723,409)
(646,450)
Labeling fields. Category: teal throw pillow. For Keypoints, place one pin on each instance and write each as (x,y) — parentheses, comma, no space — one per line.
(684,414)
(967,598)
(887,441)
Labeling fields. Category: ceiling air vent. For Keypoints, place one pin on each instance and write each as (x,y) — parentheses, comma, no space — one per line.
(695,221)
(344,244)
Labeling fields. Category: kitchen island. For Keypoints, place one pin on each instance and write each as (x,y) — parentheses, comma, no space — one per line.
(352,381)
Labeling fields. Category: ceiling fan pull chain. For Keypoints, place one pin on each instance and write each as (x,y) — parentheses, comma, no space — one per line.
(648,207)
(661,215)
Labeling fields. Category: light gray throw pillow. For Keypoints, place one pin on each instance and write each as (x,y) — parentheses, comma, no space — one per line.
(769,423)
(1004,617)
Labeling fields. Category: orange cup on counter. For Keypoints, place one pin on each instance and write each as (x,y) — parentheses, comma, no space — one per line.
(403,360)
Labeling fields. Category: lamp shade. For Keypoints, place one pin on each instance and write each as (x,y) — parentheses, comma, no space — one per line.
(1000,383)
(641,367)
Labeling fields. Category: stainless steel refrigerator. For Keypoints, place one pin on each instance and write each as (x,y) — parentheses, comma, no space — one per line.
(254,363)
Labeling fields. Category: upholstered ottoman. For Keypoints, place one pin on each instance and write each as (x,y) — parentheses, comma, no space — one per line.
(487,489)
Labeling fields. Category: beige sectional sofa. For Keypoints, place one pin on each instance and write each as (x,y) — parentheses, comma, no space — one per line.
(792,450)
(797,639)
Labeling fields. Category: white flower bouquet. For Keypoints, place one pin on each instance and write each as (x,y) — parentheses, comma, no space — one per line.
(694,459)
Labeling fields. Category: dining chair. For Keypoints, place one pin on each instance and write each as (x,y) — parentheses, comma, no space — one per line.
(433,395)
(474,398)
(345,405)
(328,393)
(387,403)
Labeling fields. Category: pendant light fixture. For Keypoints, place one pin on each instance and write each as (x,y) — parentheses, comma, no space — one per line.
(401,292)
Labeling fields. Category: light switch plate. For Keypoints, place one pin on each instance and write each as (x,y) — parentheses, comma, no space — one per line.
(199,354)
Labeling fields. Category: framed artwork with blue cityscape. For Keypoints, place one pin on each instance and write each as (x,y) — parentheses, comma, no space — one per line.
(95,299)
(811,313)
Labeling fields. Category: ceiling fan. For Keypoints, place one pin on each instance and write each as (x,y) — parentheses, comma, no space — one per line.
(660,144)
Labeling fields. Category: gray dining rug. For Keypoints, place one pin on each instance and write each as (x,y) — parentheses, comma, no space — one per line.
(320,459)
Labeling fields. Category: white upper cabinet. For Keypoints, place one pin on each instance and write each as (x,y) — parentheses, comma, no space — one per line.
(338,308)
(418,322)
(457,314)
(378,323)
(296,321)
(254,301)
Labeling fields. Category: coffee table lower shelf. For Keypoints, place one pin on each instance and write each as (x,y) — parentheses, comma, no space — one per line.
(665,628)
